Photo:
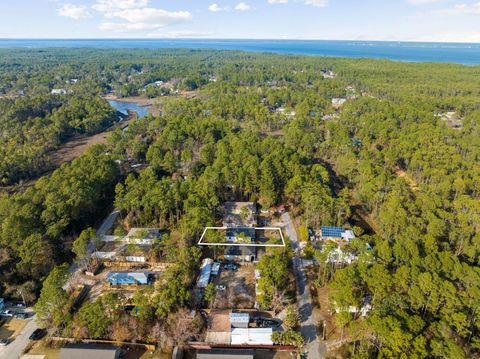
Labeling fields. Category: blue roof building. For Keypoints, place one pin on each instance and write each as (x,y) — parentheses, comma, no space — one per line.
(115,278)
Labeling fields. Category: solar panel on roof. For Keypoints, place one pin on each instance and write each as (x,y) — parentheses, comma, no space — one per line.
(328,231)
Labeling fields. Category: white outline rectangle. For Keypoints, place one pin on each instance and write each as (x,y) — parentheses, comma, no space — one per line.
(200,243)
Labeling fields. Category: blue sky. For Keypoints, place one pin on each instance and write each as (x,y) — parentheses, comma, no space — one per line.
(409,20)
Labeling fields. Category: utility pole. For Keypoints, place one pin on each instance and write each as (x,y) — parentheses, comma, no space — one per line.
(23,298)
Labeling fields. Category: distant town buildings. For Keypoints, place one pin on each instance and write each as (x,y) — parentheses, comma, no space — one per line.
(337,102)
(59,92)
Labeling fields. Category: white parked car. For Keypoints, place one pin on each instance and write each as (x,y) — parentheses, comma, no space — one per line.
(7,313)
(220,287)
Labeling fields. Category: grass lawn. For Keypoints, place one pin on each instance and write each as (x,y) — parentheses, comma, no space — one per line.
(42,347)
(11,328)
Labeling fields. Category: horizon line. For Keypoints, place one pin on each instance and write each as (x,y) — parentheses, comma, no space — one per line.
(228,39)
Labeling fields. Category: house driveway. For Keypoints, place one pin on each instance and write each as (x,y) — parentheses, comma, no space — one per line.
(314,348)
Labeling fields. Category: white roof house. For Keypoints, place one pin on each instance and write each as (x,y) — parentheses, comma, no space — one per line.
(59,92)
(251,336)
(338,256)
(337,102)
(143,236)
(205,272)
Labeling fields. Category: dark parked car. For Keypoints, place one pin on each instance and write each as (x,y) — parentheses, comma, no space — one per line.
(21,315)
(231,266)
(268,322)
(37,334)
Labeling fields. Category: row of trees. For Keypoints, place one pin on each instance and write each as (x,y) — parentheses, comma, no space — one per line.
(37,225)
(33,127)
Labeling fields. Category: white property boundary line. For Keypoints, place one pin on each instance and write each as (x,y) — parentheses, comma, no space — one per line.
(200,243)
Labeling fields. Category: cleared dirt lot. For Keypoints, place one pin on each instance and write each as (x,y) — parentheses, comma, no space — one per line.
(11,328)
(240,288)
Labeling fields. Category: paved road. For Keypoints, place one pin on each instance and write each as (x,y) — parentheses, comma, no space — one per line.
(314,348)
(108,223)
(15,348)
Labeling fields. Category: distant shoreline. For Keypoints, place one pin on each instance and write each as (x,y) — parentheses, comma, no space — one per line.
(405,51)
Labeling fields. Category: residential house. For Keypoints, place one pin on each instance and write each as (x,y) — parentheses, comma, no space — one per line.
(336,234)
(59,92)
(129,278)
(365,308)
(338,102)
(143,236)
(240,214)
(225,353)
(90,351)
(205,272)
(240,253)
(251,336)
(328,74)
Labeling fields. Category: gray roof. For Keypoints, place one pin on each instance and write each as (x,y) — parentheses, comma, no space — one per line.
(225,354)
(90,351)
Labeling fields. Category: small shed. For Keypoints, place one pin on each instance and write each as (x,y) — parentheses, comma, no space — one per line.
(215,268)
(90,351)
(239,320)
(129,277)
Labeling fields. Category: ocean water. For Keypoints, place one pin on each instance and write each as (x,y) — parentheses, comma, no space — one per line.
(462,53)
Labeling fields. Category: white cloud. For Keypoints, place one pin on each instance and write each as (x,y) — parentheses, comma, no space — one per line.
(128,27)
(216,8)
(242,6)
(180,34)
(461,9)
(152,15)
(74,11)
(134,16)
(317,3)
(113,5)
(277,1)
(423,2)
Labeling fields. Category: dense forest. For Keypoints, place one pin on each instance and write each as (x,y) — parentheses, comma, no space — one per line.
(261,128)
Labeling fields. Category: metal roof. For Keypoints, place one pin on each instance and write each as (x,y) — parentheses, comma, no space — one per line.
(90,351)
(206,270)
(225,354)
(239,317)
(252,336)
(129,277)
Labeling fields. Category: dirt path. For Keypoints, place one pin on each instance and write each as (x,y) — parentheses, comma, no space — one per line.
(411,182)
(68,151)
(77,146)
